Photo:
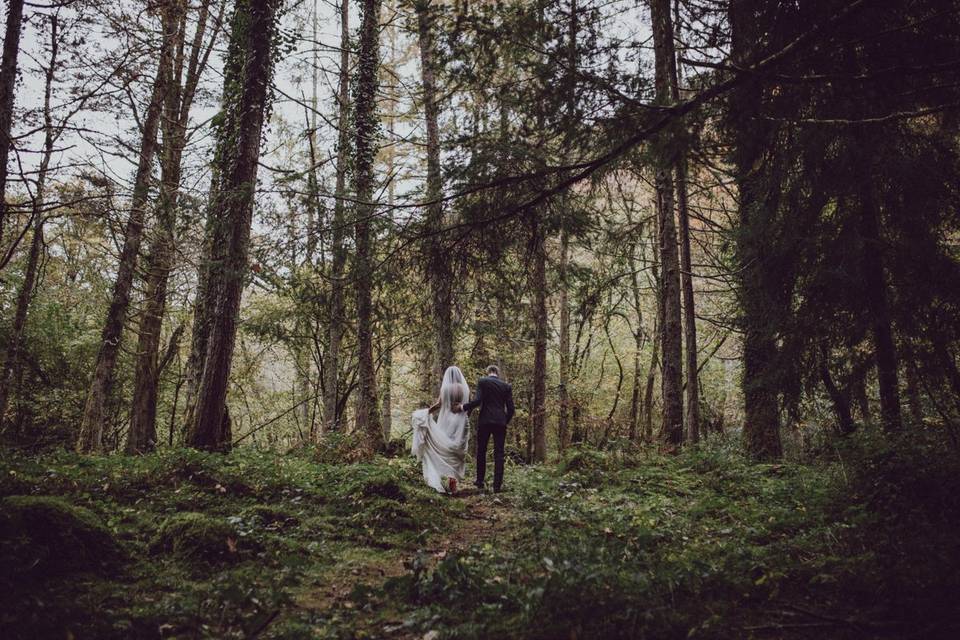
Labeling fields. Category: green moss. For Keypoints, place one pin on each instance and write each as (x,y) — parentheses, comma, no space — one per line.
(42,535)
(585,460)
(198,536)
(277,516)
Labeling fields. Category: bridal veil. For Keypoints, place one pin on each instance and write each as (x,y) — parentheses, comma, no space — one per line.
(441,444)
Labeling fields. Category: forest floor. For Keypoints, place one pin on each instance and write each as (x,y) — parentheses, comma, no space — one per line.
(484,520)
(856,540)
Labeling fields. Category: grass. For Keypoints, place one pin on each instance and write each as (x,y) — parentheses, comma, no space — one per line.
(602,545)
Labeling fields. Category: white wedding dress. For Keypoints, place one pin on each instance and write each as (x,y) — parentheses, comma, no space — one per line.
(441,445)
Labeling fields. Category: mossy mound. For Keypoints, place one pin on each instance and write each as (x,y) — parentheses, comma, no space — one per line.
(377,483)
(43,535)
(585,460)
(198,536)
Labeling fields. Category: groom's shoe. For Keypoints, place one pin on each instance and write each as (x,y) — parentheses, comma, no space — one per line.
(480,486)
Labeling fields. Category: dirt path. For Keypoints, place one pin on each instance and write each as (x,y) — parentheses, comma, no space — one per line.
(486,517)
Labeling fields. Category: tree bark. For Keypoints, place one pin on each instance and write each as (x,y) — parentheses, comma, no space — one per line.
(439,273)
(365,127)
(636,397)
(162,254)
(692,417)
(8,85)
(655,349)
(246,93)
(91,428)
(331,383)
(671,428)
(761,428)
(563,417)
(538,288)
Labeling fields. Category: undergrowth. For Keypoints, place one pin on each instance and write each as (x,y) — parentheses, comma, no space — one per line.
(621,544)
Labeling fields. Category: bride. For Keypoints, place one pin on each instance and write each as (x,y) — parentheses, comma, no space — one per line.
(441,444)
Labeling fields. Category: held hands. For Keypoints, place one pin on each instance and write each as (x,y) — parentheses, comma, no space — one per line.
(457,408)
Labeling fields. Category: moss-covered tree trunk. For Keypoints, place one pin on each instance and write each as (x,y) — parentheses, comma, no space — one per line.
(366,131)
(761,427)
(91,428)
(335,330)
(671,426)
(8,85)
(246,99)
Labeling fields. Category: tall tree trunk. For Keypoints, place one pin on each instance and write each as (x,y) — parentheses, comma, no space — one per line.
(11,364)
(160,258)
(8,86)
(365,127)
(537,442)
(246,92)
(655,349)
(538,288)
(636,397)
(331,383)
(761,428)
(692,417)
(91,428)
(671,428)
(439,273)
(563,417)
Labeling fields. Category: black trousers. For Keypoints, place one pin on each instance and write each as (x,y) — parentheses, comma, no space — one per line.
(499,433)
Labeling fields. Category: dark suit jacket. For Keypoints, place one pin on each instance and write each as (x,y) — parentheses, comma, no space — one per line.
(495,399)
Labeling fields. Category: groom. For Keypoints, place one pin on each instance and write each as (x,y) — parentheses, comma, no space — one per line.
(495,399)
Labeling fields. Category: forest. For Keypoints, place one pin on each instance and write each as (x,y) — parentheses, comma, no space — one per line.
(712,247)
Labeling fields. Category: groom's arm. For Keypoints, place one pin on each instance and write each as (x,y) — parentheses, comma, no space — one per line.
(469,406)
(510,407)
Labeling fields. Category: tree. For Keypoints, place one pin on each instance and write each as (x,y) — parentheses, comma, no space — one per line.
(51,132)
(182,88)
(246,98)
(366,132)
(761,426)
(91,429)
(335,330)
(439,272)
(671,429)
(8,85)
